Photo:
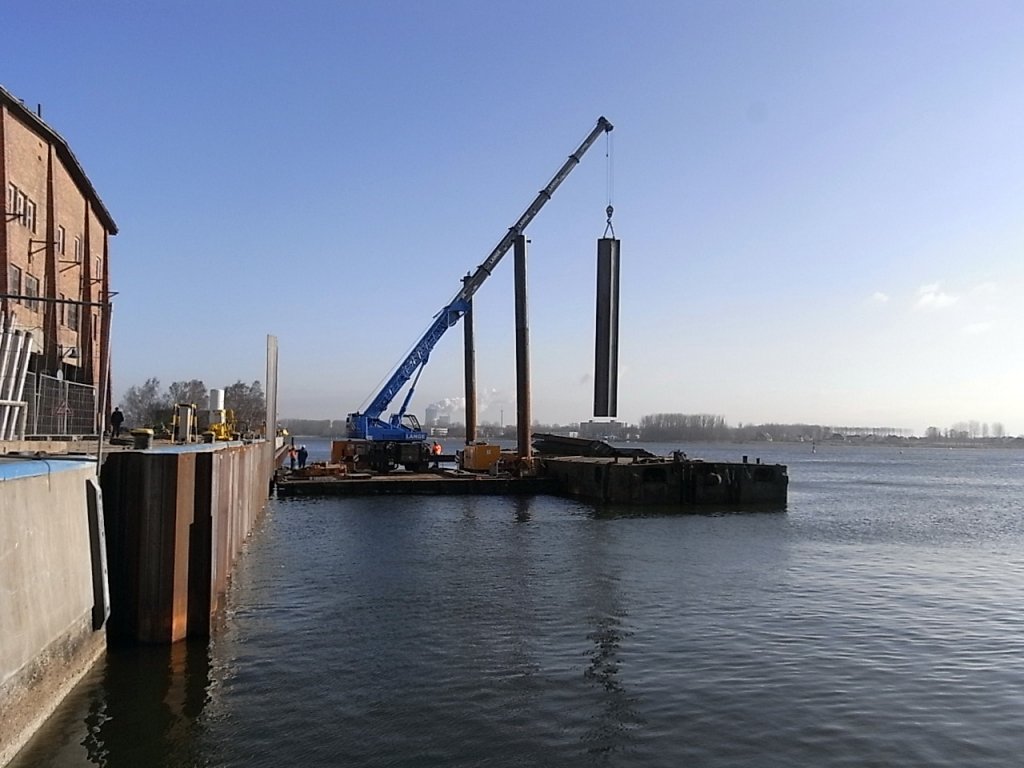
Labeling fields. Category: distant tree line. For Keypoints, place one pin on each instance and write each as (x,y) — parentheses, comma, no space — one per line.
(147,405)
(314,427)
(967,430)
(663,427)
(700,427)
(336,428)
(669,427)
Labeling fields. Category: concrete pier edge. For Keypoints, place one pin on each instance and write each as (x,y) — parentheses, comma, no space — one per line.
(32,695)
(174,519)
(48,638)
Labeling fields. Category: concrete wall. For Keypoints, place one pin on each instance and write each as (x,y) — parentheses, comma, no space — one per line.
(49,447)
(168,529)
(49,632)
(176,520)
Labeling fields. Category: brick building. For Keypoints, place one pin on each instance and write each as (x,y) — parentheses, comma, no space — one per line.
(54,244)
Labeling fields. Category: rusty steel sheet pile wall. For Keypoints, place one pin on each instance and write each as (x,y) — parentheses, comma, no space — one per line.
(176,520)
(51,628)
(230,492)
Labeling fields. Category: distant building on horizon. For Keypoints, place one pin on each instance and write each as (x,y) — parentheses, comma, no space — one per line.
(430,415)
(55,245)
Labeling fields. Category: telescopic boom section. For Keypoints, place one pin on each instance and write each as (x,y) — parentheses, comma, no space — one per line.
(488,265)
(368,424)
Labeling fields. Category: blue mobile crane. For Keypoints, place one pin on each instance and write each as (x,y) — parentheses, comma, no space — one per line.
(400,439)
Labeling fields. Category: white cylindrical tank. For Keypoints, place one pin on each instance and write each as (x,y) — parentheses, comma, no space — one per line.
(216,399)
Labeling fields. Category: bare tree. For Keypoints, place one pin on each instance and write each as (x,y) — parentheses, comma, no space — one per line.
(194,392)
(248,403)
(145,406)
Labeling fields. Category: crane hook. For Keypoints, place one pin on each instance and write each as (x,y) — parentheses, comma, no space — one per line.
(608,227)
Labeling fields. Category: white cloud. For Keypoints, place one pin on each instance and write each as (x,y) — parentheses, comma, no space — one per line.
(932,296)
(976,329)
(984,289)
(879,298)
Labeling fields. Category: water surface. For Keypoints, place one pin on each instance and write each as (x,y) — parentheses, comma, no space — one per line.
(874,622)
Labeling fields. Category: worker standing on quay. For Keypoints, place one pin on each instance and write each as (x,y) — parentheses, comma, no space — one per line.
(116,420)
(303,455)
(292,456)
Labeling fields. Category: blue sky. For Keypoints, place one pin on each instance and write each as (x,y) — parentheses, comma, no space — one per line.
(819,202)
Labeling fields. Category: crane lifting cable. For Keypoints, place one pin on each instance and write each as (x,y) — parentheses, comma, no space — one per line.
(609,182)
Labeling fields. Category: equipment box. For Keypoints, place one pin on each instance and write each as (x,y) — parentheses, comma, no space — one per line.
(480,457)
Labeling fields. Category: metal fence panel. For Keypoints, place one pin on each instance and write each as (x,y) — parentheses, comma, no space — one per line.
(48,420)
(62,408)
(32,398)
(81,399)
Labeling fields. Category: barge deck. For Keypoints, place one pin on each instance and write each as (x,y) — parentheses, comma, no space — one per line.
(443,483)
(673,482)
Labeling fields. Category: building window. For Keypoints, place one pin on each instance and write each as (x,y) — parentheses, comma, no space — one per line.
(61,309)
(32,291)
(99,268)
(22,206)
(62,237)
(14,279)
(73,317)
(78,250)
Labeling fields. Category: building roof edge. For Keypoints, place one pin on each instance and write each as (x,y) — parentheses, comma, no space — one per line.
(25,114)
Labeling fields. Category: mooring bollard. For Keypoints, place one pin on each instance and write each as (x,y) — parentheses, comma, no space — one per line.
(143,438)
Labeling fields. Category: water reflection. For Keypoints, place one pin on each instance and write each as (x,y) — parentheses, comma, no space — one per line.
(613,723)
(148,707)
(138,707)
(522,505)
(609,511)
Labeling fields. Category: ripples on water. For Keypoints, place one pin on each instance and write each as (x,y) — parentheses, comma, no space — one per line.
(874,622)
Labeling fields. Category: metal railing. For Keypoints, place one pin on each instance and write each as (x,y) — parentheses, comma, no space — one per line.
(15,351)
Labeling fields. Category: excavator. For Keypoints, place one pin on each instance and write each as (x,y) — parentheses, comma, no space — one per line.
(399,439)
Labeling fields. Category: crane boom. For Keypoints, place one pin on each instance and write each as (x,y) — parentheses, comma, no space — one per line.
(487,266)
(368,423)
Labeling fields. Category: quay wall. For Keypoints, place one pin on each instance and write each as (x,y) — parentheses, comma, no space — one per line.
(176,519)
(52,597)
(48,447)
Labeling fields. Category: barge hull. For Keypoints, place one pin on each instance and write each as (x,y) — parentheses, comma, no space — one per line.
(416,485)
(680,483)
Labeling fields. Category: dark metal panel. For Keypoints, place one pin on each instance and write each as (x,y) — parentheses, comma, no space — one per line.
(606,347)
(470,372)
(523,406)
